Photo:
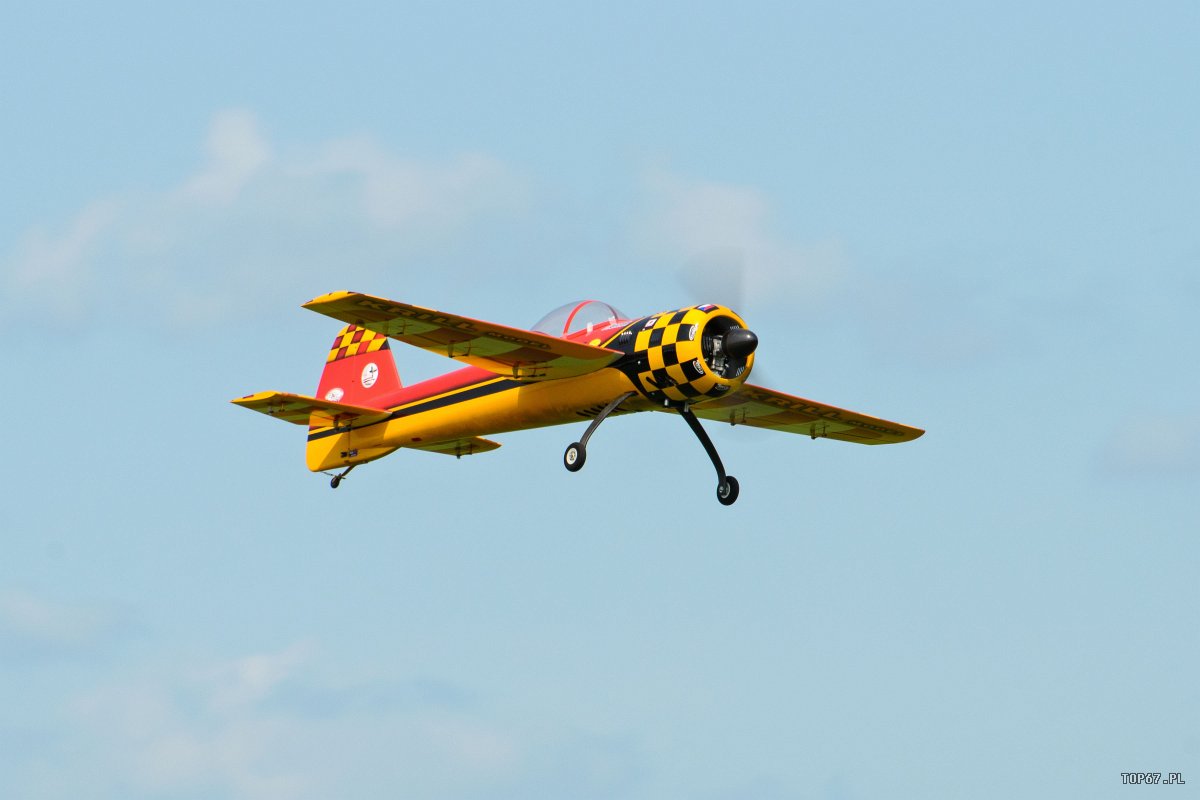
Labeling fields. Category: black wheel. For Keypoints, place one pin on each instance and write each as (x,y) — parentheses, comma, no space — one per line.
(727,492)
(574,457)
(335,481)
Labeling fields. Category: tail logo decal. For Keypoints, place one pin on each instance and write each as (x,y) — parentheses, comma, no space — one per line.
(369,375)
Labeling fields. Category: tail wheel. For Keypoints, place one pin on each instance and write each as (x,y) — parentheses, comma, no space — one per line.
(574,457)
(727,491)
(336,480)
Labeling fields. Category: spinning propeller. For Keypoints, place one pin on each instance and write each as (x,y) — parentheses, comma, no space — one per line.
(720,275)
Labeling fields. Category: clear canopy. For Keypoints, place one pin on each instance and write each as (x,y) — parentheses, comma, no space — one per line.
(577,316)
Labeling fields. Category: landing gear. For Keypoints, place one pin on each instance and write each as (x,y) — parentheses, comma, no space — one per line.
(727,492)
(574,457)
(576,452)
(336,480)
(727,485)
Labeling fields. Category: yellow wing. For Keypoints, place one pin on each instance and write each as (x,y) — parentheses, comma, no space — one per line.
(301,410)
(512,352)
(765,408)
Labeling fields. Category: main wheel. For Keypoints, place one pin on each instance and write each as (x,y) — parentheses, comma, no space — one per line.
(335,481)
(727,492)
(574,457)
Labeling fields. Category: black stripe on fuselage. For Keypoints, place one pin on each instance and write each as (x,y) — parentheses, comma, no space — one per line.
(487,387)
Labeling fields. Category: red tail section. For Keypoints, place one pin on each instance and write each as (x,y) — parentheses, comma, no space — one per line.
(360,369)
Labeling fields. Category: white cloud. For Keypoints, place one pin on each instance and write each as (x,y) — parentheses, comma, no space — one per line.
(471,742)
(722,237)
(232,728)
(398,193)
(291,724)
(195,727)
(253,217)
(54,269)
(267,726)
(32,624)
(237,151)
(248,680)
(145,735)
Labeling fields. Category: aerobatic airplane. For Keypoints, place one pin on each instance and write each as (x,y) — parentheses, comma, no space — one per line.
(585,360)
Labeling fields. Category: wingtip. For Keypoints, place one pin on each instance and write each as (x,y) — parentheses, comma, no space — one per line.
(250,398)
(325,298)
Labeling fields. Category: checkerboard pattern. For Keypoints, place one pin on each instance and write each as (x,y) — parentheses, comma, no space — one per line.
(673,369)
(353,341)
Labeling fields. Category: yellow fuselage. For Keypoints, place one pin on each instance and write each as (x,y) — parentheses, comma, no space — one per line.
(487,406)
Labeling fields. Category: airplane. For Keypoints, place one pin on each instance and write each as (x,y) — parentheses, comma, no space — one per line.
(583,361)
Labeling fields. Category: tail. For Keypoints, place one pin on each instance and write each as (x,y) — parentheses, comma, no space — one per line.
(358,383)
(360,372)
(360,369)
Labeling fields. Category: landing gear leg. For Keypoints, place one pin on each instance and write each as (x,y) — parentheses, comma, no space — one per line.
(576,452)
(727,485)
(336,480)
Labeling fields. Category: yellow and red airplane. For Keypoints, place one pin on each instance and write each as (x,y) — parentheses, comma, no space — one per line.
(585,360)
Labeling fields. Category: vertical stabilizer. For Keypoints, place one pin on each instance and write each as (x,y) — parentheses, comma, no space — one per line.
(360,369)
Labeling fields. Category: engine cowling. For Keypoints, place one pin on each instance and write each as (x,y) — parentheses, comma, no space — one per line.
(691,355)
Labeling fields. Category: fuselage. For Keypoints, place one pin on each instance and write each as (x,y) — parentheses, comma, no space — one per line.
(465,403)
(473,402)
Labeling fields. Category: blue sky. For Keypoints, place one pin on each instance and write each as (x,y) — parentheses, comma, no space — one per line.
(980,220)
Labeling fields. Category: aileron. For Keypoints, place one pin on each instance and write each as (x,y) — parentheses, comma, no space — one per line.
(765,408)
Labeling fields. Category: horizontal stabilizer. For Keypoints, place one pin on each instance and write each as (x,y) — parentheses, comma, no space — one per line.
(465,446)
(301,410)
(511,352)
(765,408)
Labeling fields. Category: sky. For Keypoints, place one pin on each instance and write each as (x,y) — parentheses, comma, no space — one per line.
(979,219)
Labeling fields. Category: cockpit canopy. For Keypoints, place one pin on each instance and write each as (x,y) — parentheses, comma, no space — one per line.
(577,316)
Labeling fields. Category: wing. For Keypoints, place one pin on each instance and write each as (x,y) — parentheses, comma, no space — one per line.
(301,410)
(765,408)
(465,446)
(512,352)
